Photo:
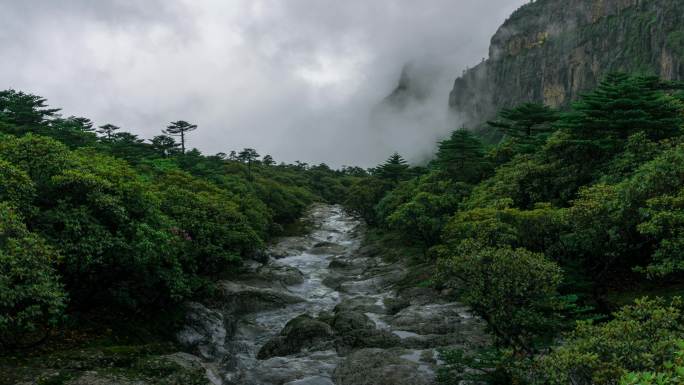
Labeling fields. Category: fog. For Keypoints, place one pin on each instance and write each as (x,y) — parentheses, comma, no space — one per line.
(297,79)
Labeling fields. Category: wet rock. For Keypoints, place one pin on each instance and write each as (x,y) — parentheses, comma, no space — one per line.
(339,263)
(288,246)
(378,367)
(396,304)
(316,380)
(277,346)
(300,333)
(431,319)
(242,299)
(334,280)
(366,338)
(362,304)
(416,341)
(371,285)
(204,332)
(285,370)
(287,275)
(327,248)
(348,321)
(420,295)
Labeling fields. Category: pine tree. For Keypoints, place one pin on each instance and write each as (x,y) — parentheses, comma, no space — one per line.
(180,128)
(528,125)
(164,145)
(73,131)
(108,130)
(128,146)
(248,155)
(462,157)
(394,169)
(623,105)
(24,110)
(268,160)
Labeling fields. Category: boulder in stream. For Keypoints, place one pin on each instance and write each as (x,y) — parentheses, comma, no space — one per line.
(239,298)
(300,333)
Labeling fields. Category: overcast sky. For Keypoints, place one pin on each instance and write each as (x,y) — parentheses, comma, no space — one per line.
(293,78)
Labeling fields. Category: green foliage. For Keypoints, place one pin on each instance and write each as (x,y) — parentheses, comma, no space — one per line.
(462,157)
(108,130)
(208,224)
(638,150)
(527,125)
(23,111)
(16,187)
(180,128)
(248,156)
(641,337)
(31,297)
(74,132)
(513,290)
(138,226)
(418,209)
(364,195)
(520,183)
(394,169)
(164,145)
(623,105)
(39,157)
(536,230)
(672,372)
(619,224)
(483,366)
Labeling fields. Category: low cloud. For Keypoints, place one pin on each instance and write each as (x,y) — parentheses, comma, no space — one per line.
(298,79)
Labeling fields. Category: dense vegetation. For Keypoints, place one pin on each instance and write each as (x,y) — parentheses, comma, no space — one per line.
(550,236)
(546,234)
(113,224)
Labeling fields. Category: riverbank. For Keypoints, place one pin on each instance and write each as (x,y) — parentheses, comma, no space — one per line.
(337,305)
(327,308)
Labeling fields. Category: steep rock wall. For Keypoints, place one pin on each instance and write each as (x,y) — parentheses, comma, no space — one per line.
(551,51)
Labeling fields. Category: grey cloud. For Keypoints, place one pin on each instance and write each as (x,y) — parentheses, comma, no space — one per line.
(299,79)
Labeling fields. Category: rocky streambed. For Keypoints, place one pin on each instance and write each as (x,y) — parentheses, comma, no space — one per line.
(325,310)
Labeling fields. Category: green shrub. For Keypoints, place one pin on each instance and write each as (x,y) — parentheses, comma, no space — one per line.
(671,373)
(513,290)
(641,337)
(31,297)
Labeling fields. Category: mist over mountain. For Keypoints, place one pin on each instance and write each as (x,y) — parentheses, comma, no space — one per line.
(298,80)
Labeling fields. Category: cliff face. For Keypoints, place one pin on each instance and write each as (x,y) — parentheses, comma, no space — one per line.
(551,51)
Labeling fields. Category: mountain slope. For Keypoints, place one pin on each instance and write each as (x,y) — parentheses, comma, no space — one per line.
(551,51)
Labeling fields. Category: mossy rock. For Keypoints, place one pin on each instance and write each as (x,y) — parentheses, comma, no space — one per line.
(299,333)
(367,338)
(348,321)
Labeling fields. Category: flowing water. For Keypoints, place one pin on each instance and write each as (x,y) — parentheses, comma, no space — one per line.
(324,274)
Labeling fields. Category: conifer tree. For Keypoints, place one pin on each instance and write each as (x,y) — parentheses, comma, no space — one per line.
(528,124)
(108,130)
(180,128)
(394,169)
(164,145)
(462,157)
(623,105)
(22,109)
(248,155)
(268,160)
